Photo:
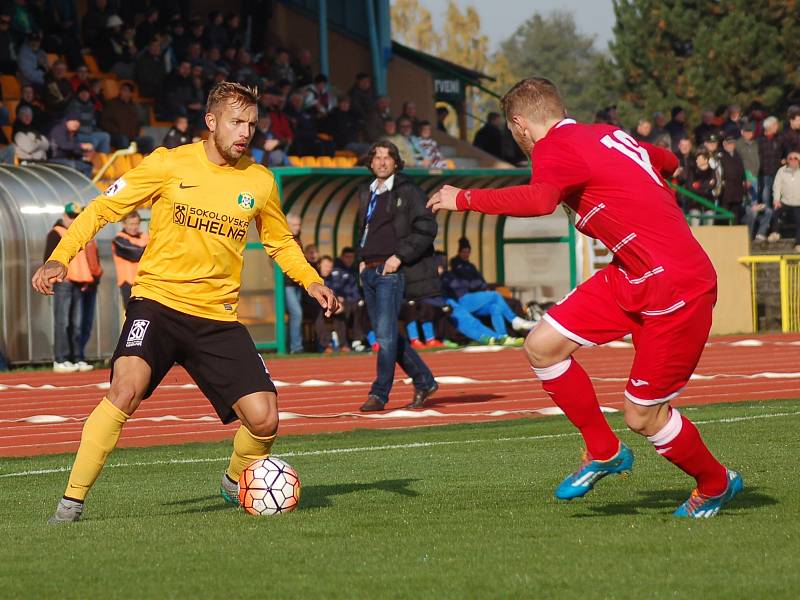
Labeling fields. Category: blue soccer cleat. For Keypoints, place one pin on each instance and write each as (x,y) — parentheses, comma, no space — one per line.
(590,472)
(699,506)
(229,490)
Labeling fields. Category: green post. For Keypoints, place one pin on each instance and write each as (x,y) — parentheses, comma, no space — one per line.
(573,258)
(280,300)
(499,249)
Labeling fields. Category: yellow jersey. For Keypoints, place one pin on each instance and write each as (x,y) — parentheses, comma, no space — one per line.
(198,229)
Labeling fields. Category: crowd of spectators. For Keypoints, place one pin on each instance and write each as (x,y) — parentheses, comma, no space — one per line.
(164,64)
(742,161)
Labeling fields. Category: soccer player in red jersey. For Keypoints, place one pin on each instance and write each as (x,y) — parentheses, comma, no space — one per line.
(660,287)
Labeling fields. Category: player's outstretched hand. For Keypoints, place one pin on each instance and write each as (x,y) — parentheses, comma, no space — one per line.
(326,298)
(444,199)
(48,274)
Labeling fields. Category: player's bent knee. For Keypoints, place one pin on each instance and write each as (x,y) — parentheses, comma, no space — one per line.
(259,413)
(645,420)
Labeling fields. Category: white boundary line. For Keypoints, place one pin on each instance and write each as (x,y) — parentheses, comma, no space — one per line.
(183,461)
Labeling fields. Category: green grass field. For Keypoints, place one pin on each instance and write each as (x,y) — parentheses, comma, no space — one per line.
(442,512)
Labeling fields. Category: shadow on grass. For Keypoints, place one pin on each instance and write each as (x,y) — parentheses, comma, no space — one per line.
(313,496)
(669,500)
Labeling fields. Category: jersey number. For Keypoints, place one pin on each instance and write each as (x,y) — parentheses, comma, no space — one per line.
(624,143)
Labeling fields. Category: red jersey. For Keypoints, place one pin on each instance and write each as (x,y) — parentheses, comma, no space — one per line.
(614,185)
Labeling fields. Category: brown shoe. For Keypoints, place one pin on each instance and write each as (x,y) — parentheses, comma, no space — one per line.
(421,396)
(373,403)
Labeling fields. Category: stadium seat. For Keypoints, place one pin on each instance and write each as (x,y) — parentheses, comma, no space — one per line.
(345,153)
(110,88)
(342,162)
(308,161)
(450,164)
(91,62)
(295,161)
(52,57)
(325,161)
(11,87)
(98,160)
(135,159)
(11,105)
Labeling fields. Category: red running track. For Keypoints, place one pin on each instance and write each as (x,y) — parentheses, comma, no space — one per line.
(499,381)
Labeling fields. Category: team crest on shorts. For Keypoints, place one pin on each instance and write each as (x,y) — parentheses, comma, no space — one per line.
(246,201)
(136,333)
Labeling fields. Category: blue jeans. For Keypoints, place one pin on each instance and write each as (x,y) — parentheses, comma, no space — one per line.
(295,309)
(765,182)
(469,325)
(489,304)
(88,301)
(67,315)
(383,295)
(99,139)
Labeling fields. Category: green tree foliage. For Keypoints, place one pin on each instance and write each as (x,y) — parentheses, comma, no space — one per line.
(412,25)
(551,46)
(702,53)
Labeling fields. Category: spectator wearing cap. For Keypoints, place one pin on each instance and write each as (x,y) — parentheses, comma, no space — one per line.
(282,68)
(8,48)
(58,89)
(733,180)
(676,128)
(790,139)
(89,132)
(786,193)
(150,71)
(770,153)
(489,138)
(747,147)
(33,62)
(373,126)
(30,144)
(67,149)
(178,134)
(121,120)
(67,298)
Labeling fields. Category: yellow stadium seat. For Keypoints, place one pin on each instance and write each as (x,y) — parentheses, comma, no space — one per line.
(135,159)
(52,57)
(308,161)
(11,87)
(123,165)
(91,62)
(325,161)
(450,164)
(110,88)
(11,105)
(345,153)
(295,161)
(343,162)
(98,160)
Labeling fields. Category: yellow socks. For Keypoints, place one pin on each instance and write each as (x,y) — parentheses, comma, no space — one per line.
(100,434)
(247,448)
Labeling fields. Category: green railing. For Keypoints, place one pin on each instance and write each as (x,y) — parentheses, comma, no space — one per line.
(720,213)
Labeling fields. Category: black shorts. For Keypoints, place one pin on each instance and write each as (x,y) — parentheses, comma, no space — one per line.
(219,355)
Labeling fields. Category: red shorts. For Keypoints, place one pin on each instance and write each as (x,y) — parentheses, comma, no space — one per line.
(668,346)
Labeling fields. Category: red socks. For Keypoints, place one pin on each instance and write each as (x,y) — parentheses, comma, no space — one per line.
(571,389)
(680,443)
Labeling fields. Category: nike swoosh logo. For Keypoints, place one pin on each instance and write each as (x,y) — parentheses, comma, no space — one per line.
(186,187)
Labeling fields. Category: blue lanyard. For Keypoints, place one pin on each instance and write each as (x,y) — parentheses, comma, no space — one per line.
(373,203)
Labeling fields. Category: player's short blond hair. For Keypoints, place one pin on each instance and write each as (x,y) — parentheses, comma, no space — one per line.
(535,98)
(226,92)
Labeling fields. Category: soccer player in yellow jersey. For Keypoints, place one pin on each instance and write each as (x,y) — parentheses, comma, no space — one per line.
(183,303)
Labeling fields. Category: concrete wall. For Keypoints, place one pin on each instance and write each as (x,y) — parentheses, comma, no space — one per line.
(724,245)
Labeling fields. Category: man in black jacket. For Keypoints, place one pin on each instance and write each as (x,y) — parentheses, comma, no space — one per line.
(396,234)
